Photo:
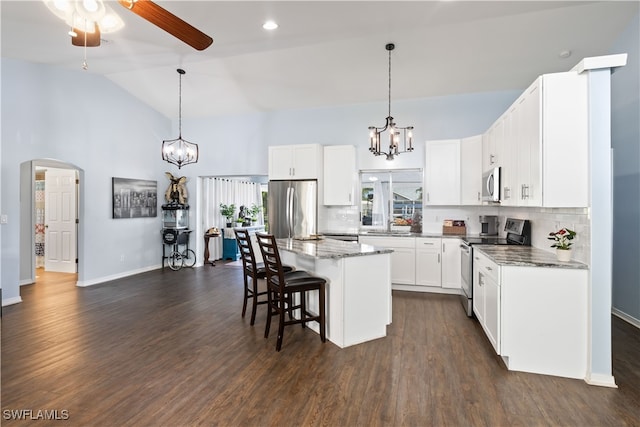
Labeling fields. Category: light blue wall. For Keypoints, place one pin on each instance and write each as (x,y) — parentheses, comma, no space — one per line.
(625,135)
(85,120)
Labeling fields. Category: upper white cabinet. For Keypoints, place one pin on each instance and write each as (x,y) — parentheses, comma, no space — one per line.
(544,154)
(492,142)
(471,170)
(442,172)
(295,161)
(340,175)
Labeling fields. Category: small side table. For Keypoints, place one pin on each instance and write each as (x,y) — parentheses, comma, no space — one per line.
(206,248)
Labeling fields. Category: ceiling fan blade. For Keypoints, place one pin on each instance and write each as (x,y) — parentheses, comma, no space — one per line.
(168,22)
(93,39)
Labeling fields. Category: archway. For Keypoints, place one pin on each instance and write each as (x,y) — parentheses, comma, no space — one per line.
(28,218)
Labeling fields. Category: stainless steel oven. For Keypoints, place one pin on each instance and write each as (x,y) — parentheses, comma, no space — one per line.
(518,233)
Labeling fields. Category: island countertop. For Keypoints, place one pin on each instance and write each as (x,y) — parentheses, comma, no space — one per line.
(329,248)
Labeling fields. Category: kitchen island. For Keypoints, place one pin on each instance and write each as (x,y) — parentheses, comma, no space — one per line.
(358,299)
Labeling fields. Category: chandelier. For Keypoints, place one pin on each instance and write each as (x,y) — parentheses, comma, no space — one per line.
(179,152)
(396,133)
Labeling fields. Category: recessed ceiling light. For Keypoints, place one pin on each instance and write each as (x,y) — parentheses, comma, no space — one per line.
(270,25)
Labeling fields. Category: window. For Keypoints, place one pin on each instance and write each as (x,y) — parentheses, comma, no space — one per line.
(391,198)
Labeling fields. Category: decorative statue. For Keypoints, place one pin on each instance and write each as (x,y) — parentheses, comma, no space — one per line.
(177,191)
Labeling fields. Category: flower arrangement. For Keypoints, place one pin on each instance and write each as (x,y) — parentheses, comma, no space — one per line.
(562,238)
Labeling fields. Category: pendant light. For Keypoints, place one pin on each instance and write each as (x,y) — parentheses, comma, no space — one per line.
(179,152)
(396,133)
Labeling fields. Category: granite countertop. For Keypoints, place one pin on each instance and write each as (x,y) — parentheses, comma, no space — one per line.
(328,248)
(525,256)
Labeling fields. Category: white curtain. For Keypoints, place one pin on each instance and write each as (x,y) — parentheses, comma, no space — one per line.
(379,212)
(226,191)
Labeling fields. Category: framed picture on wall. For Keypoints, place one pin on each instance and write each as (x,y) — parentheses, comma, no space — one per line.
(134,198)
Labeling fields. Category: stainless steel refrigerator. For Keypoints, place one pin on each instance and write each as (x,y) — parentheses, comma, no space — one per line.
(293,208)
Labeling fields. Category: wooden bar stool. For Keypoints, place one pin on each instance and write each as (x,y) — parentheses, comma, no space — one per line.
(282,286)
(253,271)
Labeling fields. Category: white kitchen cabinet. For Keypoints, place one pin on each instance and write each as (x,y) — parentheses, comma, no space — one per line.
(442,172)
(428,262)
(451,260)
(471,170)
(403,257)
(340,175)
(508,177)
(295,161)
(492,145)
(545,158)
(534,317)
(544,320)
(486,297)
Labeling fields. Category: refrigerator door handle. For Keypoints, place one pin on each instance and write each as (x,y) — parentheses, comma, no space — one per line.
(290,211)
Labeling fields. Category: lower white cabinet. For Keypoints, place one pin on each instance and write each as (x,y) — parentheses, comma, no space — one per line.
(403,257)
(486,297)
(535,317)
(428,261)
(451,277)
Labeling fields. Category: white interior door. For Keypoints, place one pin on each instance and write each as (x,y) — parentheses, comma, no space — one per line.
(60,220)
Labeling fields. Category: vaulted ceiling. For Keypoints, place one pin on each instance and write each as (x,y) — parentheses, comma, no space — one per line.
(324,53)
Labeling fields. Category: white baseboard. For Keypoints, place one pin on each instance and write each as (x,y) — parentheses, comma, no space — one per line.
(10,301)
(85,283)
(601,380)
(430,289)
(624,316)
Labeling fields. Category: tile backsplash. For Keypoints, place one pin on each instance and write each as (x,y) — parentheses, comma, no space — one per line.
(543,221)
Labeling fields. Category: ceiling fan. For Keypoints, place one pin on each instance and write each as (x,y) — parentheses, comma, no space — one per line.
(167,21)
(88,18)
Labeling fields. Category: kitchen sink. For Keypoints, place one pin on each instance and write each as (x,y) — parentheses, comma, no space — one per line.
(385,233)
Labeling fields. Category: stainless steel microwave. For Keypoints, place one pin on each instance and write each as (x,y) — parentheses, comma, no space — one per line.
(491,185)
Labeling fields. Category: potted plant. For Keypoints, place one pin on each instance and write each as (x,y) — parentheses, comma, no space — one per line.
(562,239)
(255,210)
(228,211)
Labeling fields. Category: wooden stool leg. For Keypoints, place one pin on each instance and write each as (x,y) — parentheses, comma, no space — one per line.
(323,335)
(280,329)
(254,284)
(246,295)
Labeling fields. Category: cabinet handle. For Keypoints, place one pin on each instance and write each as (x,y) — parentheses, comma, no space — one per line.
(491,159)
(438,258)
(293,171)
(427,243)
(478,196)
(489,269)
(507,193)
(427,197)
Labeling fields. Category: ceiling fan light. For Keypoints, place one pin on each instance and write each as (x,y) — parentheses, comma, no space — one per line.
(111,22)
(61,8)
(92,10)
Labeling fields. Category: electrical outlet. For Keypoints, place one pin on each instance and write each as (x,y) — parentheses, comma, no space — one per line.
(4,219)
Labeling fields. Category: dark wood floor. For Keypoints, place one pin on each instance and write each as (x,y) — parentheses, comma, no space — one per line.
(170,348)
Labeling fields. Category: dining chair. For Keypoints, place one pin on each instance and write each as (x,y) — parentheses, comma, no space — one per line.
(253,271)
(281,288)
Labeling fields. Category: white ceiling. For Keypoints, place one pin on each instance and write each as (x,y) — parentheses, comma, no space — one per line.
(325,52)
